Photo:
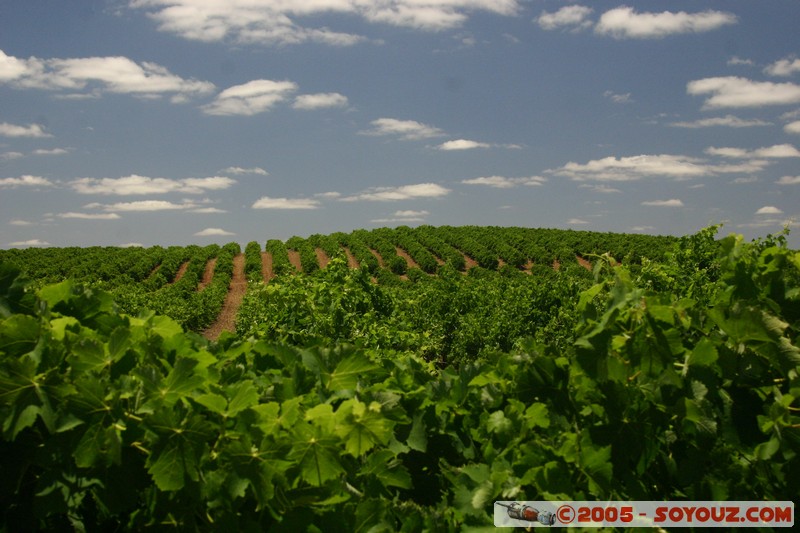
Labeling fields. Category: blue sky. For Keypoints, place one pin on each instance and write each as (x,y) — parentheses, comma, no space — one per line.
(200,121)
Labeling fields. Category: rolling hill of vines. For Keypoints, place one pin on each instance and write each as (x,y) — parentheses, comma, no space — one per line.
(393,379)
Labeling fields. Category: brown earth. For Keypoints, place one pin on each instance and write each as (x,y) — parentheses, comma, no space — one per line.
(584,263)
(294,259)
(266,266)
(322,258)
(556,264)
(181,272)
(438,260)
(226,321)
(528,266)
(378,257)
(208,274)
(155,269)
(470,262)
(409,261)
(351,259)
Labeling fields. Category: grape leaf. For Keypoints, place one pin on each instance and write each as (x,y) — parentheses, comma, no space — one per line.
(350,370)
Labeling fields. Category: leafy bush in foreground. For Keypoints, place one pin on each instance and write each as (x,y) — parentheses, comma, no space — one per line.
(118,422)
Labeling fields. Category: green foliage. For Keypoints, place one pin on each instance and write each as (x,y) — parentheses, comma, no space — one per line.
(445,318)
(308,256)
(280,258)
(336,304)
(643,384)
(366,260)
(404,238)
(252,264)
(699,380)
(463,239)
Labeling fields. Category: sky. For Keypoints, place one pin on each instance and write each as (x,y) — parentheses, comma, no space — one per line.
(162,122)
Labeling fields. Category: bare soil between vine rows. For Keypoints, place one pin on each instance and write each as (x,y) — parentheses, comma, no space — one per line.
(226,321)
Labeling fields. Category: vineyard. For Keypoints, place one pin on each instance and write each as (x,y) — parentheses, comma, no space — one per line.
(393,379)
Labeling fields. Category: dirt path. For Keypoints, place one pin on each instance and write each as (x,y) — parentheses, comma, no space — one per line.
(208,274)
(378,257)
(528,266)
(155,269)
(226,321)
(469,262)
(409,261)
(266,266)
(294,259)
(351,259)
(584,263)
(322,258)
(181,272)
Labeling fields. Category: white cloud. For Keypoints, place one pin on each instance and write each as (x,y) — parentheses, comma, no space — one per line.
(52,151)
(729,121)
(12,130)
(749,179)
(573,16)
(131,245)
(776,151)
(78,96)
(577,222)
(209,232)
(604,189)
(735,60)
(329,194)
(90,216)
(265,202)
(18,222)
(98,75)
(462,144)
(643,166)
(8,156)
(134,185)
(320,101)
(408,213)
(789,180)
(502,182)
(200,185)
(769,210)
(792,127)
(769,222)
(673,202)
(783,67)
(403,216)
(251,98)
(618,98)
(143,205)
(396,220)
(733,91)
(431,14)
(31,242)
(409,130)
(745,167)
(625,23)
(643,228)
(404,192)
(240,170)
(11,68)
(25,181)
(276,21)
(207,210)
